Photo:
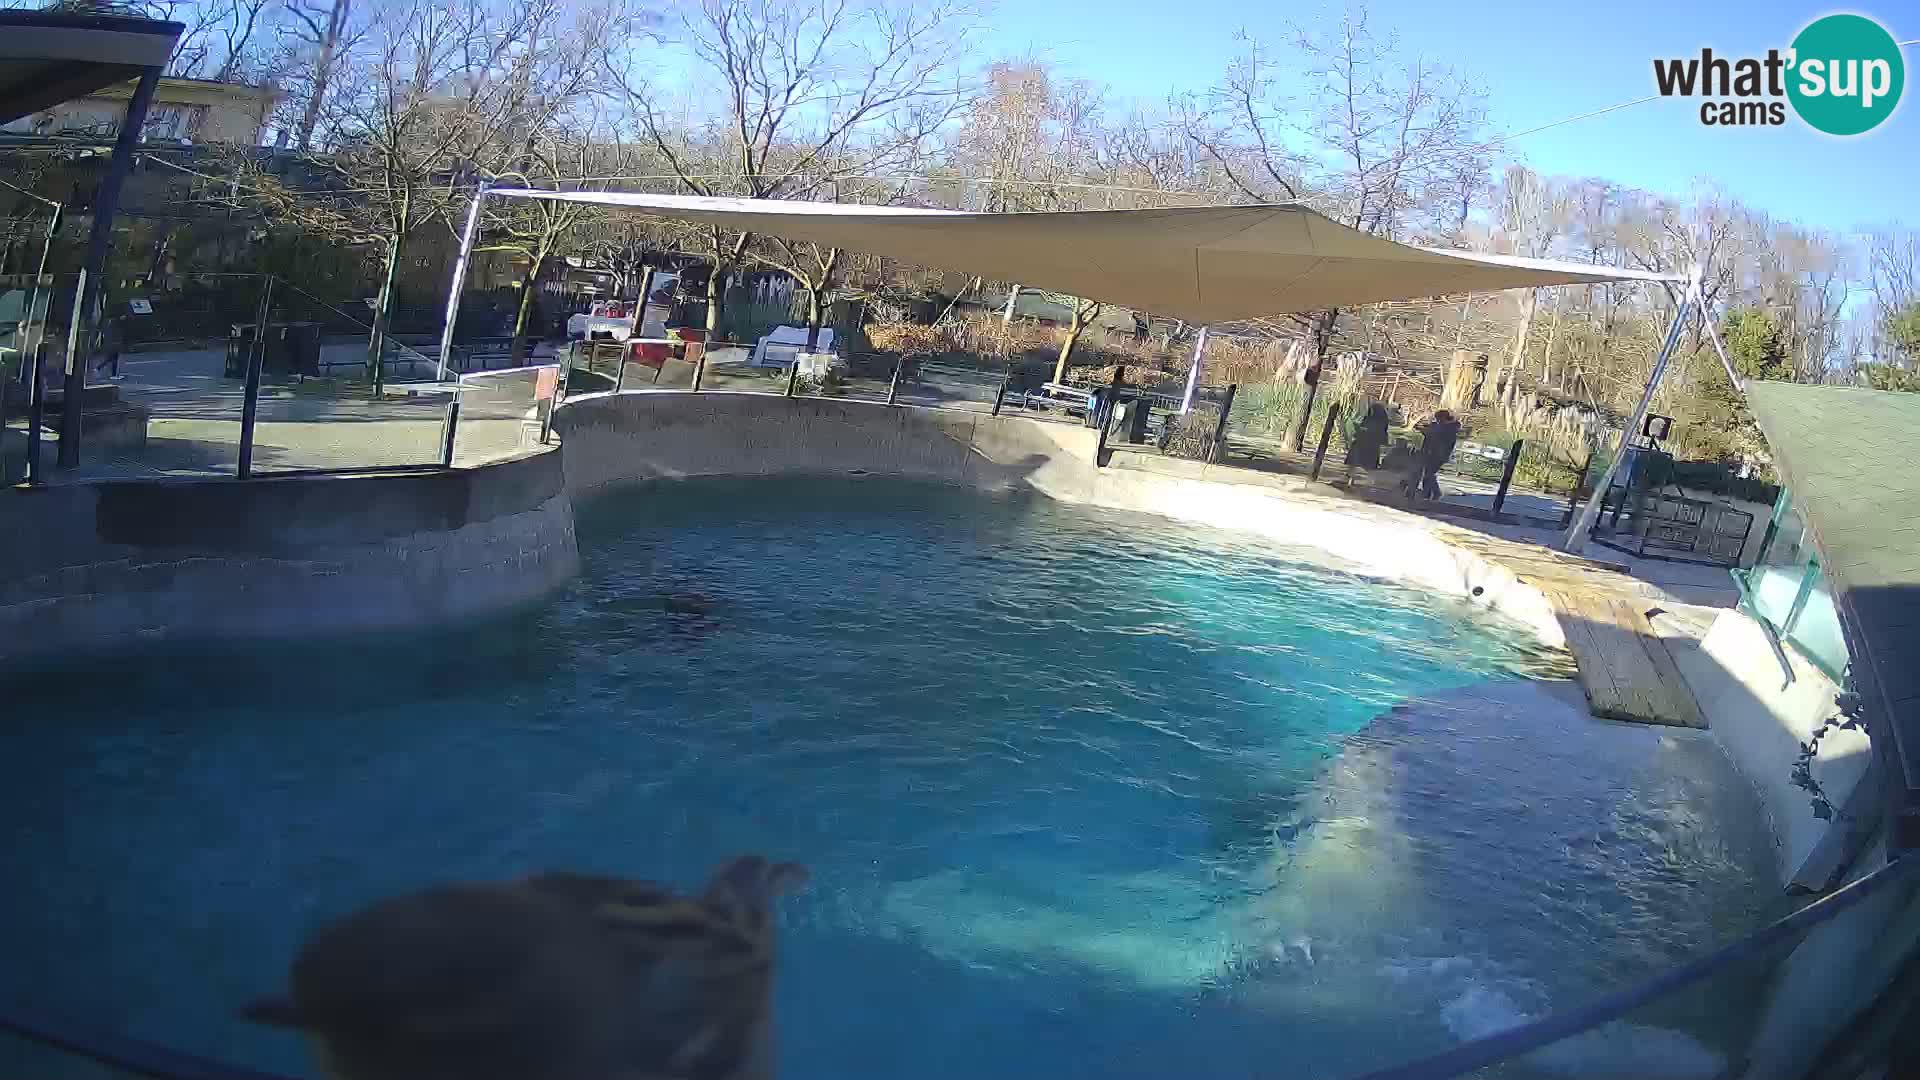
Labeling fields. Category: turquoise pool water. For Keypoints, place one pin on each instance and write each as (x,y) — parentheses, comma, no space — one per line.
(1083,793)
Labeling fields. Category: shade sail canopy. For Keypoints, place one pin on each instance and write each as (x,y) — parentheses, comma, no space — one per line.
(1207,264)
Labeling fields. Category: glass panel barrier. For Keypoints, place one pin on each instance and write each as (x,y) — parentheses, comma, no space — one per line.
(503,413)
(1815,630)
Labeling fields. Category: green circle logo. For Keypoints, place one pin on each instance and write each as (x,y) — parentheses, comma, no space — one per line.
(1846,74)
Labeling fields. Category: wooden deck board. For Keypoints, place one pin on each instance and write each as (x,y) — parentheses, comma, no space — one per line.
(1626,670)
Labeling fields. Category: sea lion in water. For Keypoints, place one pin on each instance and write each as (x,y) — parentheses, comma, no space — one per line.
(558,976)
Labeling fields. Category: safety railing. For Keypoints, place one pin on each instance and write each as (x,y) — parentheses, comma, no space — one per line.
(291,389)
(498,414)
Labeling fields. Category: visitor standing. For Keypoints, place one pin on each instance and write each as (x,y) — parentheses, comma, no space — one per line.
(1369,437)
(1437,438)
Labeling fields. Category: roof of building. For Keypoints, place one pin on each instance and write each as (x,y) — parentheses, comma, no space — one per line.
(49,57)
(1851,458)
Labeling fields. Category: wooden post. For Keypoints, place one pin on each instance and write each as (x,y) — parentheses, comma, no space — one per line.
(1000,395)
(1218,448)
(1326,433)
(1506,475)
(893,387)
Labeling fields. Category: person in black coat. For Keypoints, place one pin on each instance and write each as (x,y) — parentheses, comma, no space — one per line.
(1437,438)
(1369,437)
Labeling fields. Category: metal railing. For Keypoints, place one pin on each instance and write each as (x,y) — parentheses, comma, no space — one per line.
(279,396)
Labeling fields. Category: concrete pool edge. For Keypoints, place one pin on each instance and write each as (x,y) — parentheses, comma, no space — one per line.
(91,565)
(106,564)
(612,440)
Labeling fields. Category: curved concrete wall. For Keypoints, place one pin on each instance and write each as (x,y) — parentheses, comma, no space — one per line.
(92,565)
(612,439)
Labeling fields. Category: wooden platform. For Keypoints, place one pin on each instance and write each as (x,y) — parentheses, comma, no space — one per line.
(1626,669)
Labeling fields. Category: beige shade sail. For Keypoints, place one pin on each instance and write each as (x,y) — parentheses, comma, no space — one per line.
(1210,264)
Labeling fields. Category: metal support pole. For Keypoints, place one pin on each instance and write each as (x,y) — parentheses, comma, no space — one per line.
(639,327)
(1193,371)
(36,409)
(33,297)
(893,387)
(1326,434)
(1219,444)
(106,203)
(1506,475)
(453,425)
(1576,538)
(620,371)
(460,280)
(70,407)
(1000,395)
(256,360)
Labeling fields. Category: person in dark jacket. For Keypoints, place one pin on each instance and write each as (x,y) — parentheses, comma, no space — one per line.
(1437,438)
(1369,437)
(107,346)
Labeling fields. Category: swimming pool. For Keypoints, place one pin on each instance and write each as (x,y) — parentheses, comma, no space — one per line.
(1082,793)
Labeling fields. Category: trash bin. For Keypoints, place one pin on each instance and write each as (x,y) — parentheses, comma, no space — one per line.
(303,347)
(239,345)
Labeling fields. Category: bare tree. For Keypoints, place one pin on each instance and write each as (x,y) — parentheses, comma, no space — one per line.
(812,97)
(1533,215)
(1081,314)
(437,95)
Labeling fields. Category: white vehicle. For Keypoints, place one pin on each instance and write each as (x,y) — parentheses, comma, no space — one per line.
(613,317)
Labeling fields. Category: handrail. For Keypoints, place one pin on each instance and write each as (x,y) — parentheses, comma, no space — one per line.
(1550,1029)
(147,1059)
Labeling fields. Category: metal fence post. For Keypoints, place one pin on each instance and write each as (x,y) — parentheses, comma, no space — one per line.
(893,387)
(793,374)
(700,368)
(1326,433)
(453,425)
(256,360)
(1001,395)
(620,372)
(1506,475)
(36,408)
(1218,446)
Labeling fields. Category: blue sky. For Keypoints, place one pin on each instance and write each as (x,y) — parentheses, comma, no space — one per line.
(1541,62)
